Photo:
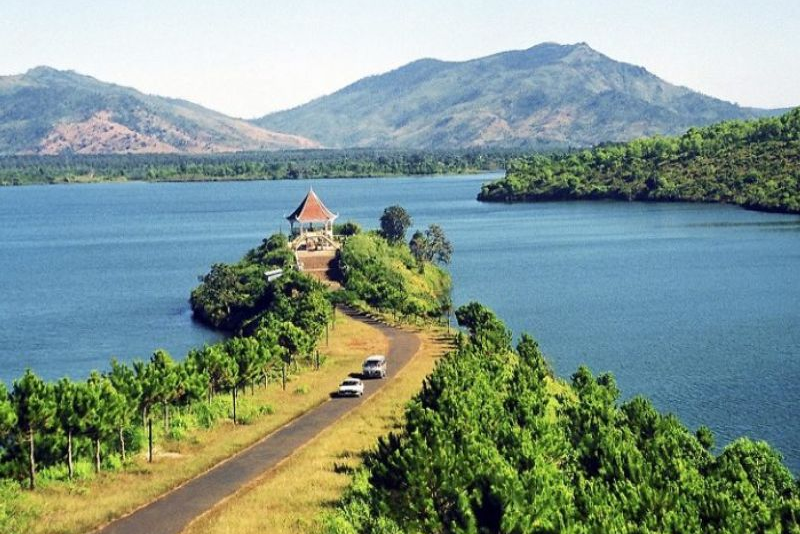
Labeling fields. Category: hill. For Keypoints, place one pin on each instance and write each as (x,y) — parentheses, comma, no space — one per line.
(550,95)
(47,111)
(755,164)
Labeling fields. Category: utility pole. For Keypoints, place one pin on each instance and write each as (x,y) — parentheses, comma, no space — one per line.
(150,438)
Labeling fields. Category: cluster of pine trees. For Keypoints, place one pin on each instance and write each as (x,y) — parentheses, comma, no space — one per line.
(46,425)
(494,443)
(755,164)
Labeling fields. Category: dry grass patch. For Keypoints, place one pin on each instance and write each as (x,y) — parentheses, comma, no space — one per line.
(291,497)
(82,506)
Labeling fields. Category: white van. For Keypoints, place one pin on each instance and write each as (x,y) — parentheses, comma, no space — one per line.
(374,367)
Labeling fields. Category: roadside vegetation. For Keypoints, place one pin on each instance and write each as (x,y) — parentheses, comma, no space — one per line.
(754,164)
(283,501)
(59,506)
(292,165)
(489,445)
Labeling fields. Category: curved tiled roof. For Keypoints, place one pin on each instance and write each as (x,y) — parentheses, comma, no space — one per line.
(311,210)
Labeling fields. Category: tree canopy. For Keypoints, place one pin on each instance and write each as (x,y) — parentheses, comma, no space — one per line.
(755,164)
(494,444)
(395,222)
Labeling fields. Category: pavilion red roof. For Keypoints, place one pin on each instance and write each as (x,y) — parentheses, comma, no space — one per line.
(312,210)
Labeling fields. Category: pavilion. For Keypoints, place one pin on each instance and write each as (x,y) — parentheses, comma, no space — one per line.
(312,225)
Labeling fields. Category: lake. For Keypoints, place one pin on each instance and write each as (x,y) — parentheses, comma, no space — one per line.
(695,306)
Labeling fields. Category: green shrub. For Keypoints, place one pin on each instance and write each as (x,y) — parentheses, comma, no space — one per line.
(302,389)
(178,426)
(246,413)
(112,462)
(15,518)
(208,413)
(83,469)
(135,439)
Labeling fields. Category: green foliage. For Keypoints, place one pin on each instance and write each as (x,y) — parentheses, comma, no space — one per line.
(493,444)
(388,277)
(14,517)
(347,228)
(178,426)
(8,417)
(238,298)
(755,164)
(395,222)
(208,413)
(247,412)
(431,246)
(35,407)
(21,170)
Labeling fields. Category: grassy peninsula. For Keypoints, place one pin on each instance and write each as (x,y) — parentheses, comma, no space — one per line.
(754,164)
(73,440)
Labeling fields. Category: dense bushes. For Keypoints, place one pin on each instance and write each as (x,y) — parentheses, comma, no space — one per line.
(230,296)
(755,164)
(493,444)
(388,277)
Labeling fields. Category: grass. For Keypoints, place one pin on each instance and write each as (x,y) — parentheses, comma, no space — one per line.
(292,497)
(81,506)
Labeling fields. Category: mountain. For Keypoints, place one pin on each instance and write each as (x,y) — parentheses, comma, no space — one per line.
(548,95)
(48,111)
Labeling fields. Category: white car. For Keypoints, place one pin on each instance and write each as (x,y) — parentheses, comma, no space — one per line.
(351,387)
(374,367)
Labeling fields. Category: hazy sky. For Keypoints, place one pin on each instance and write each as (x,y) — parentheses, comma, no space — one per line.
(249,57)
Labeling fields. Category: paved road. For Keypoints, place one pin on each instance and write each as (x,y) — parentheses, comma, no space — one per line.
(171,513)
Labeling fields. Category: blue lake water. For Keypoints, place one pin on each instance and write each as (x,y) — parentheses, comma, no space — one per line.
(695,306)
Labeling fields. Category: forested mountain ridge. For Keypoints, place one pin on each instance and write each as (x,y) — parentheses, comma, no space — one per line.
(547,96)
(48,111)
(755,164)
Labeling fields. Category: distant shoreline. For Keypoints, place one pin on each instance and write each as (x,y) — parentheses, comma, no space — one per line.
(248,166)
(201,179)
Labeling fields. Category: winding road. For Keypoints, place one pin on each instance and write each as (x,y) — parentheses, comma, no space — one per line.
(172,512)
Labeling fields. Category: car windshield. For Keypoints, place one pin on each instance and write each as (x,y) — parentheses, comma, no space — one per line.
(350,383)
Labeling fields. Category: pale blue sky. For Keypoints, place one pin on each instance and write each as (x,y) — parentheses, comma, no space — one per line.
(249,57)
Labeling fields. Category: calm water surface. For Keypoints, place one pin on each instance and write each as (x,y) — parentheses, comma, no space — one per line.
(695,306)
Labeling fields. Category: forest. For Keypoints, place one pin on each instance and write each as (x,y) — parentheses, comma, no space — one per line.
(494,443)
(754,164)
(293,164)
